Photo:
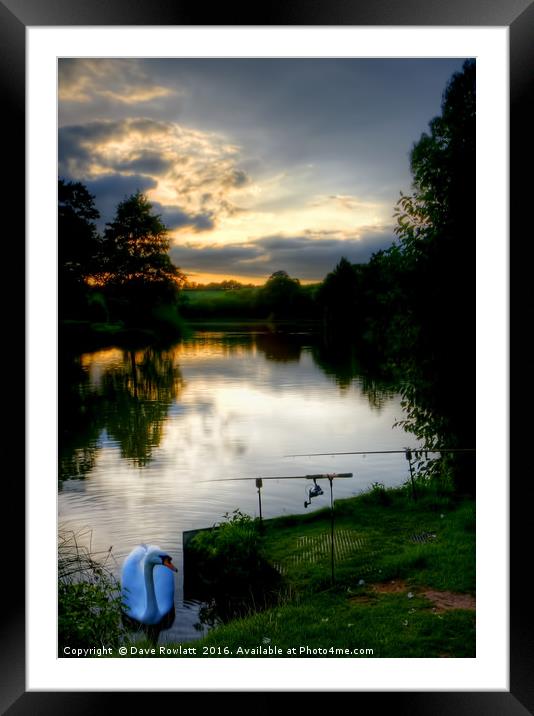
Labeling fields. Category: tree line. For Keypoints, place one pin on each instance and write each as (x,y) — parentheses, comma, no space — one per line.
(281,297)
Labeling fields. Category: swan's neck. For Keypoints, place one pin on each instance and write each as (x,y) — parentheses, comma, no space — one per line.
(151,603)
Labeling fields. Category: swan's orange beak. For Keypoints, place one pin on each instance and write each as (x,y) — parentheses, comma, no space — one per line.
(168,563)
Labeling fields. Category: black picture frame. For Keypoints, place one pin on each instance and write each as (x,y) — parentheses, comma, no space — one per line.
(518,15)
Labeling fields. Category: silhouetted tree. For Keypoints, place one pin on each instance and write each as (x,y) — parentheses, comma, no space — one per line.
(280,295)
(436,229)
(339,295)
(78,246)
(138,271)
(136,245)
(436,224)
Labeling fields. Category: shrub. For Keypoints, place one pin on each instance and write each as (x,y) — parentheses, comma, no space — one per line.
(231,569)
(89,601)
(378,495)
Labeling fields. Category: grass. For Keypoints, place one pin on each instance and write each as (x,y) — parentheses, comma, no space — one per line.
(428,544)
(391,626)
(89,602)
(215,303)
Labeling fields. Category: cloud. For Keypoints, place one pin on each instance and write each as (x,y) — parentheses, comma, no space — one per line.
(237,178)
(176,218)
(192,175)
(146,162)
(75,143)
(115,81)
(137,95)
(344,201)
(309,256)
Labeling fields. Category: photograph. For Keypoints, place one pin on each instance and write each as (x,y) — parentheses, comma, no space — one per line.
(266,314)
(267,364)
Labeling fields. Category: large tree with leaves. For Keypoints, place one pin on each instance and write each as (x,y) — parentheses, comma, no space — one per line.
(136,245)
(436,230)
(136,265)
(281,295)
(78,244)
(436,223)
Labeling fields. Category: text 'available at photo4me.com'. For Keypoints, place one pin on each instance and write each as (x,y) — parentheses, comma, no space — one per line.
(302,650)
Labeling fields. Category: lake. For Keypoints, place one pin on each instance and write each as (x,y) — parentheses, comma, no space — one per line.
(152,440)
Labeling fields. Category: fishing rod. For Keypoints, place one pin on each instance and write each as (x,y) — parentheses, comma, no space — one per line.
(407,452)
(383,452)
(321,476)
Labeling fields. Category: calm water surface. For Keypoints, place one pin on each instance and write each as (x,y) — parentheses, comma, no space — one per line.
(147,433)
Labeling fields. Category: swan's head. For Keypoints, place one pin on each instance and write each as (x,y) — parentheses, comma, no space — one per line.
(158,557)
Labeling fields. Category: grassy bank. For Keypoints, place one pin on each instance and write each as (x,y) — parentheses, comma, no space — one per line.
(404,584)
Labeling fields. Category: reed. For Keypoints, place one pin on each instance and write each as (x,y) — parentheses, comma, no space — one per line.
(89,600)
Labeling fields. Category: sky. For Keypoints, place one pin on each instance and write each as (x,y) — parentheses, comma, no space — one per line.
(255,165)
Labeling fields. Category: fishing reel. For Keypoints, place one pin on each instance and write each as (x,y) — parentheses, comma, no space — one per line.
(314,491)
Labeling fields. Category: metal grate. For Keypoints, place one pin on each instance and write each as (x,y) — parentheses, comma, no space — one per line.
(313,549)
(423,537)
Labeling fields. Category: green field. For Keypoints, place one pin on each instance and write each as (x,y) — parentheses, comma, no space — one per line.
(248,303)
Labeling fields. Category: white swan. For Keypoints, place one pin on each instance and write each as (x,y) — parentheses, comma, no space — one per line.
(147,584)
